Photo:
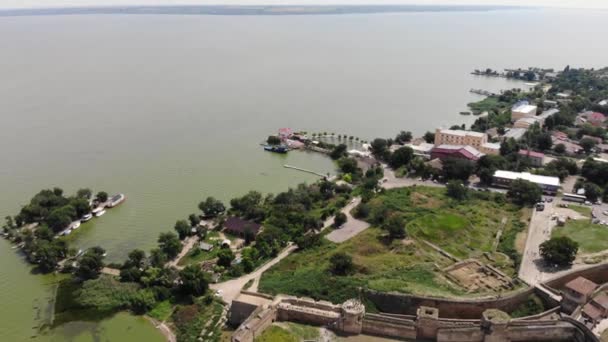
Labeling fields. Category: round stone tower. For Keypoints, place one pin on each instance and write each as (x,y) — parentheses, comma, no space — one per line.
(352,316)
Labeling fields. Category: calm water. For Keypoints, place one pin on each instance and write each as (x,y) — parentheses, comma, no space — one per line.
(170,109)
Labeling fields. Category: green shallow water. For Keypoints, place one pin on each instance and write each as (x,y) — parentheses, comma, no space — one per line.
(170,109)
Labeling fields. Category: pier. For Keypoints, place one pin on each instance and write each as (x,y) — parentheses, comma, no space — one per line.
(307,171)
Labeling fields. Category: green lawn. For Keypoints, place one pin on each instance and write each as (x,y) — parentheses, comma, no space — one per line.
(276,334)
(585,211)
(591,238)
(161,311)
(464,229)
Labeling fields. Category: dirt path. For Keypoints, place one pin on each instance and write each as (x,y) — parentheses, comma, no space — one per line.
(352,226)
(110,271)
(230,289)
(190,241)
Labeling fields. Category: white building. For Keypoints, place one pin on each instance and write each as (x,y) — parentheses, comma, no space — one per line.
(523,111)
(548,184)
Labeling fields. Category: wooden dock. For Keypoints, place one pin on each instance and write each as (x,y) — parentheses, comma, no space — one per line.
(305,170)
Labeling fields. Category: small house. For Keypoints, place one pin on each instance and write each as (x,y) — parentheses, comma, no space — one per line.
(577,292)
(207,247)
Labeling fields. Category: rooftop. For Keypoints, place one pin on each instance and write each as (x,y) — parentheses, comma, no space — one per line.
(492,146)
(581,285)
(238,225)
(462,133)
(602,300)
(537,179)
(467,150)
(526,108)
(532,154)
(515,133)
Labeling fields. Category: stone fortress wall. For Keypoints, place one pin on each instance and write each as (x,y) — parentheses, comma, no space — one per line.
(415,317)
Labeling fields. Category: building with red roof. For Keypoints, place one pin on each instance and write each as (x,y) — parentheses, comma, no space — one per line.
(442,152)
(535,158)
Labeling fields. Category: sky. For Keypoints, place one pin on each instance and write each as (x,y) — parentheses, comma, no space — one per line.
(11,4)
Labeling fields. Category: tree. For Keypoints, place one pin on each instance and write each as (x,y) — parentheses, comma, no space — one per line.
(183,228)
(194,220)
(403,137)
(457,190)
(91,263)
(101,196)
(193,281)
(338,152)
(395,226)
(158,258)
(60,218)
(85,193)
(307,241)
(559,148)
(225,257)
(401,157)
(380,148)
(211,207)
(273,140)
(587,144)
(523,192)
(544,141)
(136,258)
(508,147)
(81,205)
(559,251)
(429,137)
(44,233)
(592,191)
(460,169)
(347,165)
(339,220)
(341,264)
(169,244)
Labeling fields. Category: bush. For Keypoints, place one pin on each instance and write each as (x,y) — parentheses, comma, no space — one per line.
(341,264)
(339,219)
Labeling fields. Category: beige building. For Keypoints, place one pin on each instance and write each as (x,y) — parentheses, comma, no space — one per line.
(458,137)
(525,123)
(523,111)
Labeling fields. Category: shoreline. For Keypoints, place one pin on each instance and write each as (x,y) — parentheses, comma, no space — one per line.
(163,328)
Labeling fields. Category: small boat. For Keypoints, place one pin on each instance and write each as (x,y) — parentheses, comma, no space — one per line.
(99,213)
(67,232)
(104,254)
(276,148)
(86,217)
(465,113)
(76,224)
(116,200)
(96,211)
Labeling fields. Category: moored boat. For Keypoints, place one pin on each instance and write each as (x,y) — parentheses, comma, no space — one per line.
(86,217)
(76,224)
(116,200)
(99,213)
(276,148)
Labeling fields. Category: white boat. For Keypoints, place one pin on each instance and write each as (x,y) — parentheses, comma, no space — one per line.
(67,232)
(76,224)
(104,254)
(116,200)
(99,213)
(96,211)
(86,217)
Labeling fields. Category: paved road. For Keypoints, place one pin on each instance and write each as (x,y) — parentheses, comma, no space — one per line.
(352,226)
(532,269)
(230,289)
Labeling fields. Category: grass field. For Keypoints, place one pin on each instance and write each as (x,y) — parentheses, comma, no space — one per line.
(464,229)
(591,238)
(276,334)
